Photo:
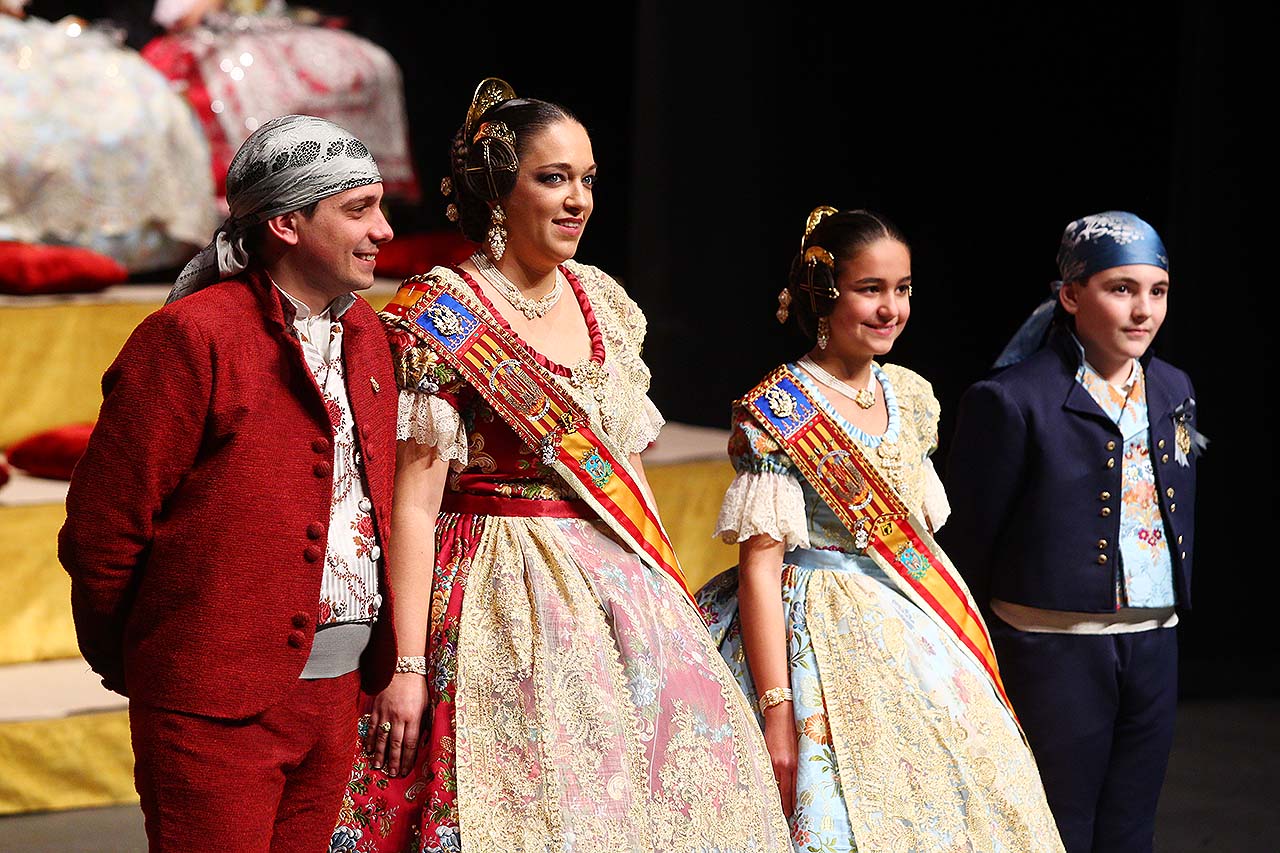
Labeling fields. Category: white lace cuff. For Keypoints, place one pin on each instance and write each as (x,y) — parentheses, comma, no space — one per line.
(427,419)
(937,508)
(772,504)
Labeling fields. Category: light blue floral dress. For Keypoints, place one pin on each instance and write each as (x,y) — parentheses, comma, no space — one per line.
(903,743)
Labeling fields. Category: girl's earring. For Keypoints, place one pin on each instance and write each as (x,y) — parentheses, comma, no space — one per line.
(497,232)
(824,332)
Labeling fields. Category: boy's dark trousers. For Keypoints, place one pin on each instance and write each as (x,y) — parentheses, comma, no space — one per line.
(1098,711)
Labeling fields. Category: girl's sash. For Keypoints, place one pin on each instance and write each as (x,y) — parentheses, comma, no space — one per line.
(542,413)
(882,526)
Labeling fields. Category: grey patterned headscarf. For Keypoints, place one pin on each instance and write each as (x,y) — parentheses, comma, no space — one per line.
(286,164)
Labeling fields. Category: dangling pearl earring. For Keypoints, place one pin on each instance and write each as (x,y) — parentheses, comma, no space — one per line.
(497,232)
(824,332)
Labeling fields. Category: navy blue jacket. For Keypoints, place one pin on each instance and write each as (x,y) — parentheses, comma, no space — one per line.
(1033,475)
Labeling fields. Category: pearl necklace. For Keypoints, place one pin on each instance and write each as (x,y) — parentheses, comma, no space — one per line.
(532,309)
(864,397)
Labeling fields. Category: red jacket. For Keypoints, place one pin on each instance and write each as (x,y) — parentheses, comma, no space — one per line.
(198,517)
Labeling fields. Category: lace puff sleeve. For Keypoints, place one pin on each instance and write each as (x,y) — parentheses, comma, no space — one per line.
(429,392)
(765,497)
(643,431)
(926,412)
(920,413)
(623,325)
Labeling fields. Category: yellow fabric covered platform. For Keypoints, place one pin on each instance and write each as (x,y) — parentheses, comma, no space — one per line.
(689,496)
(54,350)
(72,762)
(35,589)
(54,356)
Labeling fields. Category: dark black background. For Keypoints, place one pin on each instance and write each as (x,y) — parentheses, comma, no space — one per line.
(981,129)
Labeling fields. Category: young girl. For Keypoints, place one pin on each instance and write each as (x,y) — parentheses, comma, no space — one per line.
(844,622)
(1073,475)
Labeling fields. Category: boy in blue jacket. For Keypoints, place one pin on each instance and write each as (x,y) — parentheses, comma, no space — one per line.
(1072,480)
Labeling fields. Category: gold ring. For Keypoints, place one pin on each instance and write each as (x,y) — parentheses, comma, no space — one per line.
(385,725)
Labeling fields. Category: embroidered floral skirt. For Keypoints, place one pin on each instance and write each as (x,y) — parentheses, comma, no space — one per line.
(903,743)
(577,702)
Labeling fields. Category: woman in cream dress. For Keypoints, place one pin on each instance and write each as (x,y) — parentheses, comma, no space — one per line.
(564,690)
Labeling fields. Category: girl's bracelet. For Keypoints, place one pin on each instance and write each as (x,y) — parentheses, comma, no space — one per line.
(415,663)
(774,696)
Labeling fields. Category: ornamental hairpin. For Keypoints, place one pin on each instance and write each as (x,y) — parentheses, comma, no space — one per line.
(480,175)
(490,146)
(491,92)
(446,190)
(814,255)
(815,216)
(784,305)
(495,130)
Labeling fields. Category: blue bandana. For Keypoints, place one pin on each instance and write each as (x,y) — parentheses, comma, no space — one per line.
(1105,240)
(1091,244)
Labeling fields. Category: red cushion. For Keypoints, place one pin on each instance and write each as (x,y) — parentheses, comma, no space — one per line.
(33,268)
(4,472)
(413,254)
(52,453)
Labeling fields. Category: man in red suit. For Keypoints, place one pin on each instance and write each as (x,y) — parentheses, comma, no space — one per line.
(225,527)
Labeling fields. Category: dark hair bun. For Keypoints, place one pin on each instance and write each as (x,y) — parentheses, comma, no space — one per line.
(490,168)
(812,281)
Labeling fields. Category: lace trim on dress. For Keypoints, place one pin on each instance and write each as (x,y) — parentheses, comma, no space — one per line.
(772,504)
(625,324)
(937,508)
(427,419)
(641,432)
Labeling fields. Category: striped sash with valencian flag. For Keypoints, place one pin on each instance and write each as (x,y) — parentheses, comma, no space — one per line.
(882,526)
(542,413)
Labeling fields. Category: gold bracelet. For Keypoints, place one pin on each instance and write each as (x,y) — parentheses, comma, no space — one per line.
(415,663)
(774,696)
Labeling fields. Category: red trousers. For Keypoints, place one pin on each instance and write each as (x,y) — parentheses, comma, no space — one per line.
(271,783)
